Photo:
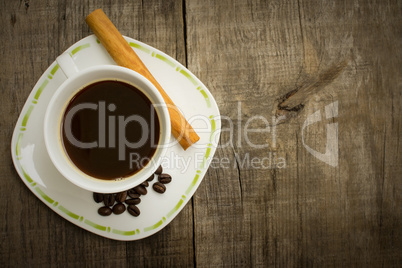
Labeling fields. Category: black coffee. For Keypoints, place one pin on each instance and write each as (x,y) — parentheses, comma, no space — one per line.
(110,130)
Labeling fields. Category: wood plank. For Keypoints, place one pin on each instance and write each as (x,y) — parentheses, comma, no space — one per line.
(251,55)
(34,36)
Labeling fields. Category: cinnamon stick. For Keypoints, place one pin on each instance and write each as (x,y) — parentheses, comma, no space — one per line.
(125,56)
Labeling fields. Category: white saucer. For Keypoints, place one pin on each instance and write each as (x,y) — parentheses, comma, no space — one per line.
(75,204)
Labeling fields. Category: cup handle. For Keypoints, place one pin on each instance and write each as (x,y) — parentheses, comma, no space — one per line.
(67,64)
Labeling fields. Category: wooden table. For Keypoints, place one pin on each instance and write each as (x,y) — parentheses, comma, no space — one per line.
(320,84)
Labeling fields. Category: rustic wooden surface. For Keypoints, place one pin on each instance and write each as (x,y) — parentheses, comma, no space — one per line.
(253,56)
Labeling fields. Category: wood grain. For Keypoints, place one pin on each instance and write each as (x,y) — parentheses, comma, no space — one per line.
(309,213)
(250,55)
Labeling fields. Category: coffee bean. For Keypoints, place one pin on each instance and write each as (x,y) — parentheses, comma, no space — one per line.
(133,210)
(151,178)
(120,197)
(159,170)
(145,184)
(119,208)
(98,197)
(104,211)
(133,193)
(159,187)
(164,178)
(108,199)
(133,201)
(141,190)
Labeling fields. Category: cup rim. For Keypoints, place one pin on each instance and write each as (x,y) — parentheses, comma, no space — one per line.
(54,112)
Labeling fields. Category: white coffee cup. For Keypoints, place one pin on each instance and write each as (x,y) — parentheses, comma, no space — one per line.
(76,81)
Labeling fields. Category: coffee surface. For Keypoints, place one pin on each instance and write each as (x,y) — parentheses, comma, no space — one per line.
(110,130)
